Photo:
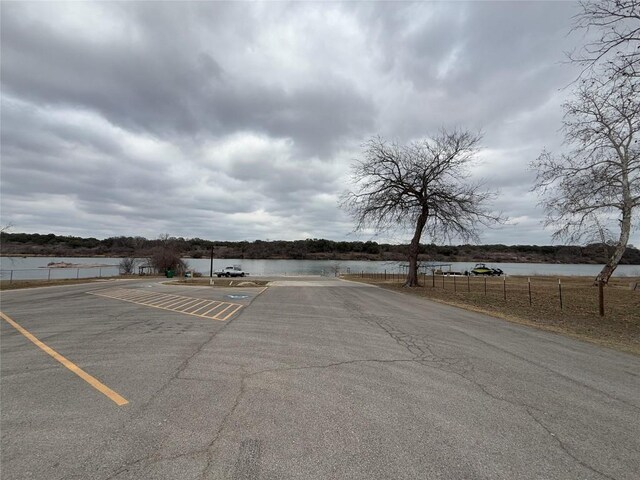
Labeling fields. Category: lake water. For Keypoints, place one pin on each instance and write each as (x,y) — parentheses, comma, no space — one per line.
(28,268)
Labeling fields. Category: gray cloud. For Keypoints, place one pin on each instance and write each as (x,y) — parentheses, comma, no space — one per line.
(239,121)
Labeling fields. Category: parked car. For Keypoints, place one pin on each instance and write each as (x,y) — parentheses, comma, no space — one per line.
(235,271)
(482,269)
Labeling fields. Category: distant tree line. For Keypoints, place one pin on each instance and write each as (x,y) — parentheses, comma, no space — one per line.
(310,249)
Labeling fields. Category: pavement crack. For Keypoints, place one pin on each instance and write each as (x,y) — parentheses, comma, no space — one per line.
(152,459)
(552,371)
(211,448)
(564,448)
(176,376)
(183,366)
(422,351)
(335,364)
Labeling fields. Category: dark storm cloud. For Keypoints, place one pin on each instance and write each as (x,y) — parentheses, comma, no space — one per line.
(165,84)
(471,63)
(239,121)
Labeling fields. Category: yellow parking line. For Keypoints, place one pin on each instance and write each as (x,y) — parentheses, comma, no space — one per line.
(197,305)
(170,301)
(223,310)
(177,303)
(231,314)
(95,383)
(185,306)
(124,292)
(109,293)
(130,296)
(145,297)
(153,296)
(164,301)
(207,305)
(212,309)
(149,300)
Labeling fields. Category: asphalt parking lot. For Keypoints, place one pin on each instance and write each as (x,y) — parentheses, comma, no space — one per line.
(310,378)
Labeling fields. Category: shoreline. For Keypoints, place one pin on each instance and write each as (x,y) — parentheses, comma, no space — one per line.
(14,255)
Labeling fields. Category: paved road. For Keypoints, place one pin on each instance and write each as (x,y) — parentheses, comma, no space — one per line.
(314,378)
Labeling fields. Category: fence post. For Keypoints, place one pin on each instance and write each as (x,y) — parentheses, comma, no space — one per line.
(485,284)
(454,284)
(100,273)
(601,297)
(560,290)
(49,275)
(529,283)
(442,279)
(433,277)
(11,276)
(504,286)
(385,273)
(469,283)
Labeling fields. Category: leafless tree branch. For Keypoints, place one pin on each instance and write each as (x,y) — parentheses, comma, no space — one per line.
(599,178)
(615,49)
(424,186)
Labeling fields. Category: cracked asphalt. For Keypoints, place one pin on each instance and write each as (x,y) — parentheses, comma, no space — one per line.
(314,378)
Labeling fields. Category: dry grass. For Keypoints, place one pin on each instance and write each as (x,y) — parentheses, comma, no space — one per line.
(18,284)
(619,328)
(220,282)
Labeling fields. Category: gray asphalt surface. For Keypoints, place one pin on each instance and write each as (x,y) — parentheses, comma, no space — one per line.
(315,378)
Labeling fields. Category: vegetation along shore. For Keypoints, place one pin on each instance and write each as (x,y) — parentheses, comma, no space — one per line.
(33,244)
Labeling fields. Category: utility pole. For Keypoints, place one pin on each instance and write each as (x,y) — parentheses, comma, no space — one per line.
(211,268)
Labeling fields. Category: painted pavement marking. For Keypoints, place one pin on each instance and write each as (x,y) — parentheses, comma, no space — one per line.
(215,310)
(94,382)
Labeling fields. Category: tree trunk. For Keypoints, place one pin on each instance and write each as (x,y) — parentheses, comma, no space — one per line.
(621,246)
(414,248)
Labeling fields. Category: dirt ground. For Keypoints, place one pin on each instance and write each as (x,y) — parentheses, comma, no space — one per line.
(16,284)
(220,282)
(578,316)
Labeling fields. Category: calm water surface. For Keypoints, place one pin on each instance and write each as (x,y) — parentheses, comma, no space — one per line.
(36,267)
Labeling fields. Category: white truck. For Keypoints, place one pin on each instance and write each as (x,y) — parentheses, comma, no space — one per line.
(235,271)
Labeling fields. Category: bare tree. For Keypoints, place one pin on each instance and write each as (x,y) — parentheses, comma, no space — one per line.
(598,180)
(128,265)
(166,256)
(422,186)
(616,47)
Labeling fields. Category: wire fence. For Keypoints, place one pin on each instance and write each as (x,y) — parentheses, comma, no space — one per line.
(50,274)
(569,294)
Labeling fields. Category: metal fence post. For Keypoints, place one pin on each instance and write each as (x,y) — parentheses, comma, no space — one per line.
(485,284)
(560,291)
(433,277)
(469,283)
(78,274)
(454,284)
(529,283)
(11,276)
(49,275)
(504,286)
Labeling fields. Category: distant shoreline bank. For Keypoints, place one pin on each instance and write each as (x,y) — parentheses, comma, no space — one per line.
(51,245)
(330,259)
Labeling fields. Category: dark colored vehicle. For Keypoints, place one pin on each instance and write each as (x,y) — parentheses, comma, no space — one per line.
(482,269)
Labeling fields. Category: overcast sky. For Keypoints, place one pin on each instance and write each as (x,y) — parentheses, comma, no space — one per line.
(238,121)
